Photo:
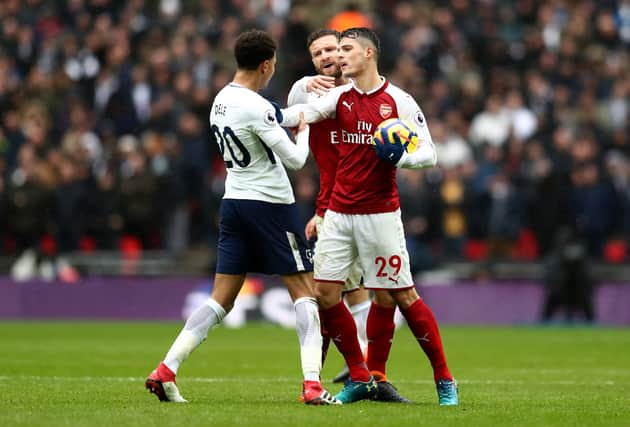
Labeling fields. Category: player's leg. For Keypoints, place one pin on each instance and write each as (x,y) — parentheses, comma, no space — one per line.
(425,329)
(318,221)
(282,249)
(385,262)
(232,264)
(380,331)
(358,301)
(333,259)
(308,328)
(162,380)
(359,305)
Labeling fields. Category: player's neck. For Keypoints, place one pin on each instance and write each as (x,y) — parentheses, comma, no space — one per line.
(341,80)
(248,79)
(368,81)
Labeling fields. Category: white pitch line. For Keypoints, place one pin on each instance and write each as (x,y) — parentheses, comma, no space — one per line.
(557,371)
(291,380)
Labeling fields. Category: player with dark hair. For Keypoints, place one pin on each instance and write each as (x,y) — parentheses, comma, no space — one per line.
(259,226)
(363,218)
(322,46)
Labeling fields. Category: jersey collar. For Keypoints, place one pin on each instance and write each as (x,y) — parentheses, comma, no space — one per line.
(378,89)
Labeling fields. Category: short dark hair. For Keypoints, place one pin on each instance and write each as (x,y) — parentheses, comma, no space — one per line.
(364,33)
(319,34)
(253,47)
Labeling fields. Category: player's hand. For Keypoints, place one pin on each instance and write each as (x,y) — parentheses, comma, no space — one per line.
(310,231)
(278,111)
(300,127)
(320,84)
(390,152)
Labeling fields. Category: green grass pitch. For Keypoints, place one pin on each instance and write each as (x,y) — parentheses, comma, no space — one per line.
(88,374)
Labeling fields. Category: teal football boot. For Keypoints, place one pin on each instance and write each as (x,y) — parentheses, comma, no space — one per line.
(447,392)
(358,390)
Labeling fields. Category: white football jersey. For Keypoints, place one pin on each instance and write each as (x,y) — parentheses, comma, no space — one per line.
(254,146)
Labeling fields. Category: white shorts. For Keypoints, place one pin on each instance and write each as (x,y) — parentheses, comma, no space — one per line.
(353,281)
(377,241)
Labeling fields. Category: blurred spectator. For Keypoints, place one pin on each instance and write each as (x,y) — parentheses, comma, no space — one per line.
(594,206)
(568,280)
(523,120)
(138,198)
(103,216)
(455,199)
(491,126)
(350,17)
(419,219)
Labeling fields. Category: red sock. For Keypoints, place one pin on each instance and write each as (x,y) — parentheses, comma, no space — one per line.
(325,339)
(343,331)
(380,332)
(424,327)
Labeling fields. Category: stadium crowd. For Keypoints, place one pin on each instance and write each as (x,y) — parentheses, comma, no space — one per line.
(104,140)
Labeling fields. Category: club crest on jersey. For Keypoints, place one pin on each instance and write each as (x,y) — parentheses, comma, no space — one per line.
(385,110)
(270,117)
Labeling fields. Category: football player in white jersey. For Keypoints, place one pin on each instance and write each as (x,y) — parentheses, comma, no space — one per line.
(259,227)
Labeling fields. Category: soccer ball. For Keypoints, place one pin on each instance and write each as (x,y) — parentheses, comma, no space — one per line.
(404,129)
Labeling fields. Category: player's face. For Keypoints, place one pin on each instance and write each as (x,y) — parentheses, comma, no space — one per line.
(269,67)
(352,58)
(324,55)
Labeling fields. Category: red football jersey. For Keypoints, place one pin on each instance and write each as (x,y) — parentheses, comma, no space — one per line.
(326,156)
(364,184)
(320,142)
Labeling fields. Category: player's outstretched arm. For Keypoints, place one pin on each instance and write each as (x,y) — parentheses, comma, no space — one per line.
(426,154)
(293,156)
(315,111)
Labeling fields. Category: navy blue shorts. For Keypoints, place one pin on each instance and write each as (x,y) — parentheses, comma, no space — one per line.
(261,237)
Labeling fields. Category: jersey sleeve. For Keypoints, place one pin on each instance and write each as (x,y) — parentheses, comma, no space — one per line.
(298,93)
(317,110)
(293,156)
(426,154)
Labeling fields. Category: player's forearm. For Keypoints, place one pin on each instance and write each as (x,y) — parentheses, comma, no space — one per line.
(291,115)
(296,156)
(424,157)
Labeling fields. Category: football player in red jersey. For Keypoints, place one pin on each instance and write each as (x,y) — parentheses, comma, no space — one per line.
(323,47)
(363,217)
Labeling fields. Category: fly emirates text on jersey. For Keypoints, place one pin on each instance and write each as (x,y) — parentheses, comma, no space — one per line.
(363,135)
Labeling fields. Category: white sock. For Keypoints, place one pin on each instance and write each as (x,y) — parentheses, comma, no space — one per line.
(194,333)
(310,336)
(360,314)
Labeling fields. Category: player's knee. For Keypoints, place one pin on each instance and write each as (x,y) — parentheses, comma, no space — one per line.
(299,285)
(384,299)
(327,294)
(227,302)
(405,297)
